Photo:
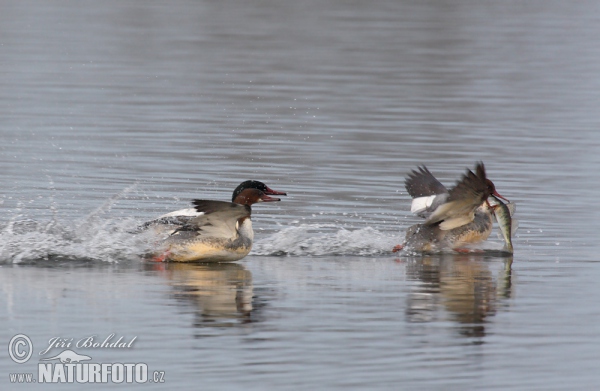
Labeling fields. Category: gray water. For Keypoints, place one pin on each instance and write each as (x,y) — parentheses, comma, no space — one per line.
(112,113)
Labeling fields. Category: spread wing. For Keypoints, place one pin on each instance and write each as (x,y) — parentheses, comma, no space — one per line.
(422,183)
(463,199)
(427,192)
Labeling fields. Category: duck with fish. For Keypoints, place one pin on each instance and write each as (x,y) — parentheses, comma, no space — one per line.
(456,218)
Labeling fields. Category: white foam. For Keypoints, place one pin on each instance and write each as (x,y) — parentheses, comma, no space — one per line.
(102,240)
(320,240)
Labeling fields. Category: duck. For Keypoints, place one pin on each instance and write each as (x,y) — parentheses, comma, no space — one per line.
(453,218)
(211,231)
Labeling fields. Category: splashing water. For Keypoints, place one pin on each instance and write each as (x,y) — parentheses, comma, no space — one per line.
(92,238)
(311,240)
(108,241)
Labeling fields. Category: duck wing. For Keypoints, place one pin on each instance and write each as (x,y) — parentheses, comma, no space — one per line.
(217,219)
(427,192)
(166,223)
(422,183)
(210,218)
(462,201)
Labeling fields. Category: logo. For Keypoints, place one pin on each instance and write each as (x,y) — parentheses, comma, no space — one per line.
(68,356)
(70,366)
(20,348)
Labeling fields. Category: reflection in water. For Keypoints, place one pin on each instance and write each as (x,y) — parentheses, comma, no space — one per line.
(221,293)
(462,285)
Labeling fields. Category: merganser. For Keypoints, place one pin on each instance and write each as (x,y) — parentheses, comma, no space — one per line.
(454,217)
(212,231)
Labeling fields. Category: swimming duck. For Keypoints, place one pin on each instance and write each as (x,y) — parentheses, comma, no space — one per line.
(453,218)
(212,231)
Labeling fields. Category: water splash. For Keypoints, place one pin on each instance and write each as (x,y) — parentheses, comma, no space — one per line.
(96,237)
(324,239)
(100,240)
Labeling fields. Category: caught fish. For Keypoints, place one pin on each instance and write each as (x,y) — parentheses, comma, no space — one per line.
(503,213)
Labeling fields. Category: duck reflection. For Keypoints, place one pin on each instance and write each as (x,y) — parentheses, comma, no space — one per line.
(463,285)
(221,293)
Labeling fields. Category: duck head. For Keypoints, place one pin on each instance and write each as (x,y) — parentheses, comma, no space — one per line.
(251,192)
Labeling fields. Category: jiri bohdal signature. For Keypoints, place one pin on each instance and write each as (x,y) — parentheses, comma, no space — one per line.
(89,342)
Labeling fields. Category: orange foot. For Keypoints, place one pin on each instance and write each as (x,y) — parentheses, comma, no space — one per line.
(162,257)
(397,248)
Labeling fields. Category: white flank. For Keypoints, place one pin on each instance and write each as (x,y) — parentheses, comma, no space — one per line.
(245,229)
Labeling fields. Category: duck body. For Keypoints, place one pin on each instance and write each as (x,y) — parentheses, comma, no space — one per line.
(212,231)
(222,233)
(431,238)
(453,218)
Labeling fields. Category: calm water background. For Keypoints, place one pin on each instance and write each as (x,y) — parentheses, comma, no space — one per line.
(113,112)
